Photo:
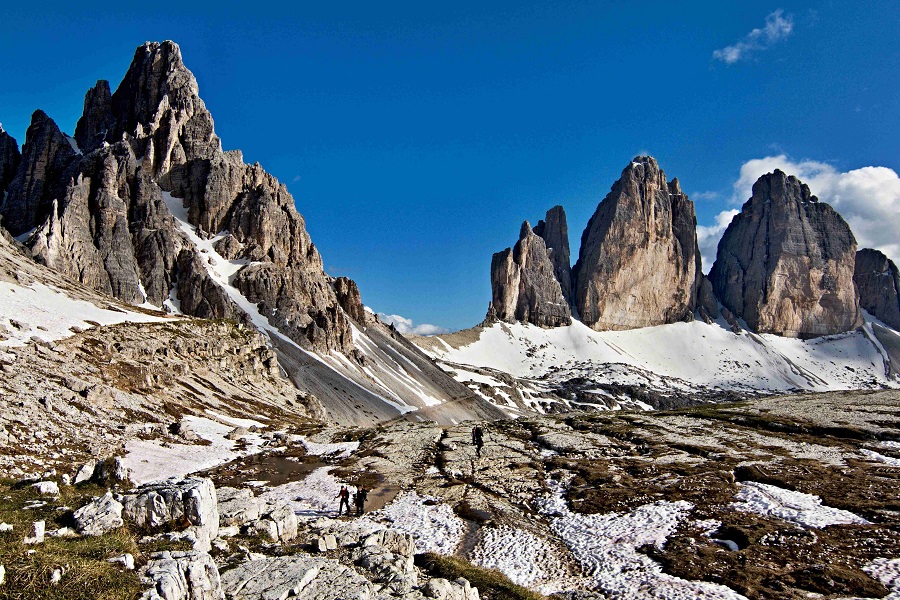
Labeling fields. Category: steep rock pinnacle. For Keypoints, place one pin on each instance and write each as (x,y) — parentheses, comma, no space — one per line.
(639,264)
(785,264)
(878,281)
(524,286)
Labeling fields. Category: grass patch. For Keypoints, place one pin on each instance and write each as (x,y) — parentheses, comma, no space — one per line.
(491,584)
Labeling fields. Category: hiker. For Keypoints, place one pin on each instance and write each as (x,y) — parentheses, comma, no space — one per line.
(478,438)
(360,500)
(344,495)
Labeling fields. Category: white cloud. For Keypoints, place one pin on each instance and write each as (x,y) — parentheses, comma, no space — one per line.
(708,237)
(404,325)
(778,26)
(867,198)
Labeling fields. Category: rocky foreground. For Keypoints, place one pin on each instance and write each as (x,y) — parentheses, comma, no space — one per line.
(763,499)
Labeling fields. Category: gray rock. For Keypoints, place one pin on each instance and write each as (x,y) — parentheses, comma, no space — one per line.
(191,499)
(38,529)
(101,515)
(85,472)
(237,507)
(348,297)
(707,305)
(110,472)
(639,264)
(190,575)
(878,281)
(555,232)
(97,119)
(9,160)
(46,488)
(524,285)
(785,264)
(303,577)
(237,433)
(443,589)
(41,176)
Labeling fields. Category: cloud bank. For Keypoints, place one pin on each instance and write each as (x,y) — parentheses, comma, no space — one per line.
(867,198)
(778,27)
(404,325)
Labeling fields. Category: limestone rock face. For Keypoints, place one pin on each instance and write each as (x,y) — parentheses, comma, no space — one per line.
(349,298)
(104,217)
(785,264)
(9,160)
(639,264)
(555,232)
(41,176)
(524,286)
(878,281)
(97,119)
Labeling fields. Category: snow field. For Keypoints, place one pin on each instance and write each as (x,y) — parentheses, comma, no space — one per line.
(340,449)
(522,556)
(434,525)
(696,353)
(38,305)
(152,460)
(803,509)
(606,547)
(313,496)
(887,571)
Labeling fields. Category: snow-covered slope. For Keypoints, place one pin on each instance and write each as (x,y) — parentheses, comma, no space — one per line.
(680,358)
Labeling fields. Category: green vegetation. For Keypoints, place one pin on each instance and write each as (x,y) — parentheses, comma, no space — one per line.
(491,584)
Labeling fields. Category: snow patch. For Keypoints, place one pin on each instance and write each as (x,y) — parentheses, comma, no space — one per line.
(606,547)
(434,525)
(522,556)
(340,449)
(797,507)
(152,460)
(49,314)
(887,571)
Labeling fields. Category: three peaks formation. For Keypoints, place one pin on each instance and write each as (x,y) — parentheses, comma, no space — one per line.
(143,204)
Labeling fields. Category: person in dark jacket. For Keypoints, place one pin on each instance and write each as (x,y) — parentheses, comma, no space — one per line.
(478,438)
(360,500)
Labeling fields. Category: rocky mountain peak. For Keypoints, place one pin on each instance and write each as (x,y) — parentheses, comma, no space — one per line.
(555,231)
(878,281)
(97,119)
(41,176)
(524,285)
(785,264)
(638,264)
(9,160)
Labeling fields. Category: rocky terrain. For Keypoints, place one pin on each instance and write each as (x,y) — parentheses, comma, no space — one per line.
(761,499)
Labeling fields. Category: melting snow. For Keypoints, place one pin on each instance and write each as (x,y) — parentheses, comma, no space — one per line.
(38,305)
(341,449)
(606,546)
(877,456)
(152,460)
(434,525)
(797,507)
(522,556)
(887,571)
(313,496)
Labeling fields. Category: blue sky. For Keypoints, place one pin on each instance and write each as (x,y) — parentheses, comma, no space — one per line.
(416,137)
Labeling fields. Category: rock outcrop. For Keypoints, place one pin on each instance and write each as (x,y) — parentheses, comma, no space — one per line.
(555,231)
(878,281)
(785,264)
(41,177)
(189,575)
(192,500)
(9,160)
(639,264)
(99,516)
(524,285)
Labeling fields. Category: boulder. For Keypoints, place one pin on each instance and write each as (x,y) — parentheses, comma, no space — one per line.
(85,472)
(785,264)
(639,264)
(237,506)
(110,472)
(101,515)
(443,589)
(524,285)
(878,281)
(191,500)
(46,488)
(38,529)
(300,576)
(190,575)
